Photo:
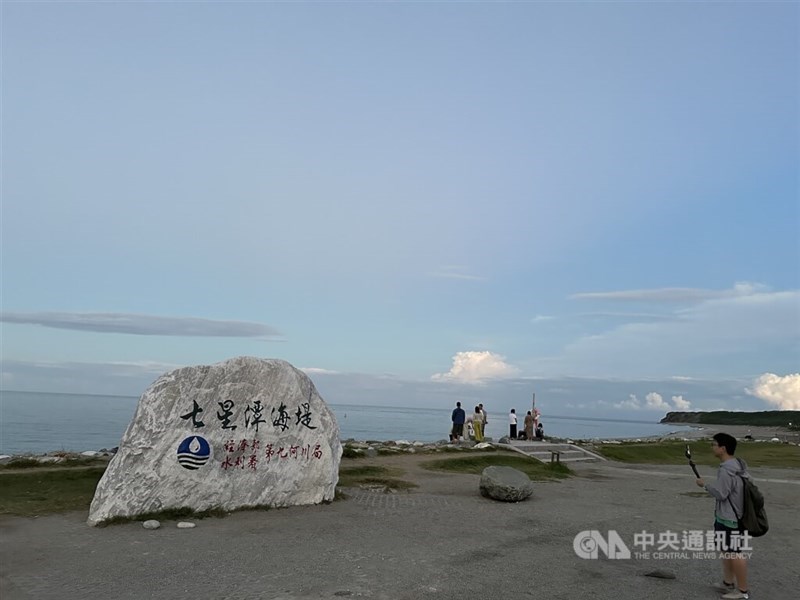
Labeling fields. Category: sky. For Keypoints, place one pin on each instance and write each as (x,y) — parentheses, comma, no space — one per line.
(414,202)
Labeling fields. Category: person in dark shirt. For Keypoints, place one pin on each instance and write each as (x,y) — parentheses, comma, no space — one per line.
(458,418)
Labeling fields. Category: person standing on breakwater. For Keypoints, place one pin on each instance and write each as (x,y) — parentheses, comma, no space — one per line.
(529,426)
(484,419)
(512,424)
(477,424)
(458,418)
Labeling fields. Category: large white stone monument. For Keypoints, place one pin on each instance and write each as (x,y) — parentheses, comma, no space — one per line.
(244,432)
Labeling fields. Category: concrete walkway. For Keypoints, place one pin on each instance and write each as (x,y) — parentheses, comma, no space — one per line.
(442,541)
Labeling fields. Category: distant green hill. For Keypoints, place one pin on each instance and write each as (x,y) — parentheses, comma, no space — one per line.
(767,418)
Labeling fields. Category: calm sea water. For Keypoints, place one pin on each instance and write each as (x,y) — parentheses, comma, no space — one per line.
(38,422)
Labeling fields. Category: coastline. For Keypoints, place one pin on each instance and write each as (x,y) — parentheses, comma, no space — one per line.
(696,432)
(699,431)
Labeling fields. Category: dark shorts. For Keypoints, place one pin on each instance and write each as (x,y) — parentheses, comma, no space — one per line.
(728,542)
(458,429)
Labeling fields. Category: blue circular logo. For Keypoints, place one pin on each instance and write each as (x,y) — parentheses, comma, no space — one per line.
(193,452)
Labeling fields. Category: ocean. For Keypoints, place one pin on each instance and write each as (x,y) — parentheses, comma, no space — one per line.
(35,423)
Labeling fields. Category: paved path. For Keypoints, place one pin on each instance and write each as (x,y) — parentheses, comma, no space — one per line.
(443,541)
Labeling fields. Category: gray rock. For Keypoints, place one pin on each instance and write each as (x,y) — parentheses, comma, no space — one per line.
(151,524)
(50,459)
(504,440)
(505,484)
(186,525)
(5,458)
(178,452)
(90,453)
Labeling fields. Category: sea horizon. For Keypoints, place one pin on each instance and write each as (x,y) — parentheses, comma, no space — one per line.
(41,422)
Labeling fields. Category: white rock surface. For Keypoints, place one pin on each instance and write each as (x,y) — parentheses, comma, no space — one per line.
(90,453)
(482,446)
(186,525)
(49,459)
(244,432)
(5,458)
(151,524)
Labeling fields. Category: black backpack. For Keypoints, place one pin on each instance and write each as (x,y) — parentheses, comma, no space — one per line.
(754,517)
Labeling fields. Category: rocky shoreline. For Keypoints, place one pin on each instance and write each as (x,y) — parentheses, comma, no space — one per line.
(371,448)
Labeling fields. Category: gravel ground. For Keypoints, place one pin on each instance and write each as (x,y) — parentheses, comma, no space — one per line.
(441,541)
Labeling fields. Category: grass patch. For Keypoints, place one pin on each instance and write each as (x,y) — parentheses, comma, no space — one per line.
(32,493)
(760,454)
(475,464)
(387,452)
(31,463)
(350,452)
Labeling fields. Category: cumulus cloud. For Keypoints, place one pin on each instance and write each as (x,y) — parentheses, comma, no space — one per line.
(476,367)
(676,294)
(632,402)
(653,401)
(782,392)
(680,404)
(137,324)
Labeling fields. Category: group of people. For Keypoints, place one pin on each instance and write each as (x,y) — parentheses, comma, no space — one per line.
(477,421)
(533,428)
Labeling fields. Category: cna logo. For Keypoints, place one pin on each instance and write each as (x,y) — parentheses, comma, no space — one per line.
(588,545)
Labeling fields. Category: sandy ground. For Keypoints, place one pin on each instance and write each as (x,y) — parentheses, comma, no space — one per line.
(442,540)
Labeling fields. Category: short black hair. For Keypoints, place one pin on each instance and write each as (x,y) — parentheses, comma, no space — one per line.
(458,403)
(726,441)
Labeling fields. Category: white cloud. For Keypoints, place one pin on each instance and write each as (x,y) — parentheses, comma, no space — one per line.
(628,316)
(783,392)
(541,318)
(676,294)
(631,403)
(725,336)
(317,371)
(141,324)
(456,272)
(680,403)
(476,367)
(655,401)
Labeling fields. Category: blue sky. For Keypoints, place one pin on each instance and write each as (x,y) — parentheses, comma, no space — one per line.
(415,202)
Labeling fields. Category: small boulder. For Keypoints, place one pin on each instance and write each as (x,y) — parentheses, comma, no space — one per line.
(505,484)
(482,446)
(151,524)
(90,453)
(186,525)
(5,458)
